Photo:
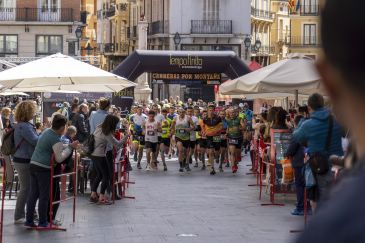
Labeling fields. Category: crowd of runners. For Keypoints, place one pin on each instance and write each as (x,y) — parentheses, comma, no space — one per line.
(193,132)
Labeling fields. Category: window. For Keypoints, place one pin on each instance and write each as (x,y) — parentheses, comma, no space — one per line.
(48,44)
(211,10)
(8,45)
(310,6)
(50,4)
(310,34)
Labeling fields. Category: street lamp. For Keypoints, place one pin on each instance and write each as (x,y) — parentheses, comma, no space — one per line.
(78,33)
(247,45)
(257,44)
(177,40)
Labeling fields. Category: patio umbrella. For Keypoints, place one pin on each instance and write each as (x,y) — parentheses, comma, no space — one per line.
(293,75)
(10,93)
(61,72)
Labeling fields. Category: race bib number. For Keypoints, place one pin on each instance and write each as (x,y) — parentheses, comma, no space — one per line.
(151,133)
(216,139)
(164,132)
(233,141)
(182,131)
(140,138)
(223,136)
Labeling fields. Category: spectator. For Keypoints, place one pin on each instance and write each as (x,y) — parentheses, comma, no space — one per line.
(76,101)
(49,143)
(104,135)
(5,116)
(74,111)
(97,117)
(80,121)
(342,73)
(280,120)
(39,127)
(25,138)
(314,133)
(67,139)
(296,153)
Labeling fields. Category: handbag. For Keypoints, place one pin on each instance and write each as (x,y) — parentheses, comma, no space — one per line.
(319,160)
(310,181)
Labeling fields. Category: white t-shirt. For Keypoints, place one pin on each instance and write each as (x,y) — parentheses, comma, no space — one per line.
(151,132)
(193,133)
(159,118)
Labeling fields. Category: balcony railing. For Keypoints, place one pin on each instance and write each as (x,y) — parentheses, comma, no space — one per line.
(110,12)
(37,14)
(158,27)
(303,42)
(211,26)
(133,32)
(116,48)
(108,47)
(264,50)
(309,10)
(262,14)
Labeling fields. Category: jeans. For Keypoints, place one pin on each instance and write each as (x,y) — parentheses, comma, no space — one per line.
(324,183)
(102,170)
(299,187)
(23,170)
(9,169)
(39,189)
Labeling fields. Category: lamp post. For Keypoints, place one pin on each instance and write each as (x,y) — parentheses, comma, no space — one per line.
(257,47)
(78,33)
(177,40)
(247,45)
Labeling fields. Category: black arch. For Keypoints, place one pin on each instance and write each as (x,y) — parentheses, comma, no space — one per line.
(142,61)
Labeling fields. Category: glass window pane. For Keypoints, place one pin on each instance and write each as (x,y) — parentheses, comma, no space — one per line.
(11,45)
(55,44)
(1,44)
(42,44)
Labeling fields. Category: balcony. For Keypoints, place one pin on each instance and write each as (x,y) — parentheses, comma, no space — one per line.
(309,10)
(262,14)
(132,32)
(211,27)
(303,42)
(37,14)
(110,12)
(264,50)
(108,47)
(158,27)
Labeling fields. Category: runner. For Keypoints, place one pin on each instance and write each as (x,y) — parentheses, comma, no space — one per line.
(223,150)
(151,128)
(198,135)
(235,128)
(165,137)
(159,118)
(138,136)
(213,128)
(203,138)
(193,138)
(182,125)
(172,116)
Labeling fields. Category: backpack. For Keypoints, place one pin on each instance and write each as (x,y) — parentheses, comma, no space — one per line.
(8,143)
(89,145)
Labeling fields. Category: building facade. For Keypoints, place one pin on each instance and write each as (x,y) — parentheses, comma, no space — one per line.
(280,30)
(34,28)
(190,25)
(88,46)
(304,37)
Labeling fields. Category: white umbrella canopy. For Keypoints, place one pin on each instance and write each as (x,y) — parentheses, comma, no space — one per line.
(10,93)
(60,72)
(286,76)
(95,88)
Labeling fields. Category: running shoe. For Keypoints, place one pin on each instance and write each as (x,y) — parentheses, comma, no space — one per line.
(169,156)
(56,222)
(181,170)
(187,168)
(93,199)
(139,166)
(227,165)
(43,225)
(148,168)
(196,165)
(234,168)
(212,172)
(221,169)
(203,167)
(30,225)
(164,168)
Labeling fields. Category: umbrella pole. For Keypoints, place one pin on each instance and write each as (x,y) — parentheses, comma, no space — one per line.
(296,95)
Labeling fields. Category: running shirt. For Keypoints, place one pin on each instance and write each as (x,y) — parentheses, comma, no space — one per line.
(137,122)
(171,117)
(201,133)
(224,129)
(234,129)
(159,118)
(166,125)
(248,115)
(213,126)
(151,132)
(180,125)
(193,136)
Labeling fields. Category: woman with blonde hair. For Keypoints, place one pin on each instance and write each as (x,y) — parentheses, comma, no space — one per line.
(25,139)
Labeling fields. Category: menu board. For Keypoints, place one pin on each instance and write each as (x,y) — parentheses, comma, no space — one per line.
(280,141)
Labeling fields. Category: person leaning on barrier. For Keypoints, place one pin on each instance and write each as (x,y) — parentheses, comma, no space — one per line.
(342,73)
(40,169)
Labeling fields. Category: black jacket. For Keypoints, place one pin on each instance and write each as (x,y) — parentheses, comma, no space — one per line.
(80,121)
(296,152)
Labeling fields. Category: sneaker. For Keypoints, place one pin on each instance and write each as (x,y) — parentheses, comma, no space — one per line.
(221,169)
(212,172)
(139,166)
(196,165)
(93,199)
(234,168)
(187,168)
(203,167)
(165,168)
(181,170)
(297,212)
(56,222)
(43,225)
(227,165)
(20,221)
(29,225)
(169,156)
(148,168)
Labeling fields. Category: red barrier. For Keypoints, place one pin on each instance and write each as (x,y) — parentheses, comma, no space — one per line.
(256,163)
(3,190)
(51,226)
(120,178)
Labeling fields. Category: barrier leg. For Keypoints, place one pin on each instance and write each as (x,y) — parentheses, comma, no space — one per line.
(272,189)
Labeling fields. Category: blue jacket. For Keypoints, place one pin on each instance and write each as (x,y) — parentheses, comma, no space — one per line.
(314,131)
(25,135)
(96,118)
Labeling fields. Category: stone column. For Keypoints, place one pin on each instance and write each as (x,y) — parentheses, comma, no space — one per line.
(142,92)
